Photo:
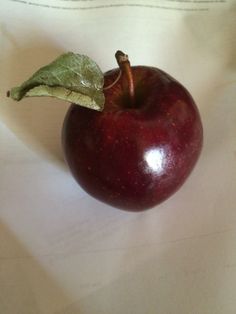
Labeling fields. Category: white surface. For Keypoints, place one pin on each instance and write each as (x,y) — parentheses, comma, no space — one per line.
(62,252)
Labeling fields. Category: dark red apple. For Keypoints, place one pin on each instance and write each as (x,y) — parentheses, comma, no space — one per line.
(141,148)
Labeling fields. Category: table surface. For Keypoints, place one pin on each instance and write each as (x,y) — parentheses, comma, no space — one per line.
(61,251)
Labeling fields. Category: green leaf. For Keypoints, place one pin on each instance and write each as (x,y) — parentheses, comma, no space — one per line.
(72,77)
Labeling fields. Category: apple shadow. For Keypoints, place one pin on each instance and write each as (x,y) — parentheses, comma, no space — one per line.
(37,122)
(26,286)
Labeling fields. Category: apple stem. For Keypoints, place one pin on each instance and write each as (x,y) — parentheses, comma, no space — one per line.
(124,64)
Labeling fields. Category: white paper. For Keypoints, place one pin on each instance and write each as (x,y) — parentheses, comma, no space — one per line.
(61,251)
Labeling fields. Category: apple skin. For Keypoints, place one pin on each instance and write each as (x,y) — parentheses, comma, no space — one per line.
(135,156)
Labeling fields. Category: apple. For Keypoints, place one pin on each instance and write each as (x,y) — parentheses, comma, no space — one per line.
(141,148)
